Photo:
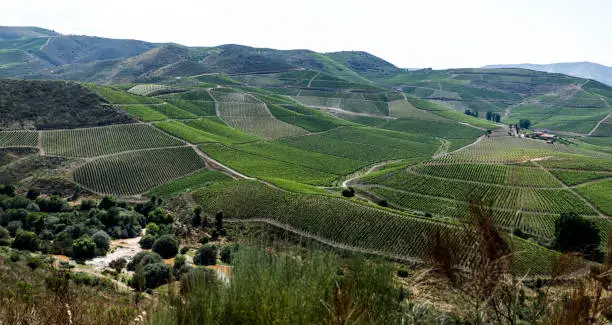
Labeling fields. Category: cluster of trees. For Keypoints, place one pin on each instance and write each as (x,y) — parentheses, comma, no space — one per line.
(524,123)
(471,113)
(492,116)
(51,225)
(150,271)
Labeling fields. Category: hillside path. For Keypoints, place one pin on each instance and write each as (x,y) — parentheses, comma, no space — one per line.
(599,123)
(313,78)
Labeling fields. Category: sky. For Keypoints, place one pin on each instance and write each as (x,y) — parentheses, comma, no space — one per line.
(410,34)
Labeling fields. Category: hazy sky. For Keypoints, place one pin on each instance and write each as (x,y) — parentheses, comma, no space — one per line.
(413,34)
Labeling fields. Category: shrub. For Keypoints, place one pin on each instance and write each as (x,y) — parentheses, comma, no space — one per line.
(26,240)
(14,226)
(52,204)
(226,253)
(146,242)
(15,257)
(154,275)
(102,241)
(402,272)
(32,194)
(152,229)
(206,255)
(84,247)
(87,205)
(574,233)
(184,250)
(180,266)
(219,222)
(348,192)
(142,259)
(118,264)
(107,203)
(5,237)
(167,246)
(8,190)
(160,216)
(196,219)
(33,262)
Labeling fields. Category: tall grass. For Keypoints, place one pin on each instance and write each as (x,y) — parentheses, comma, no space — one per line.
(282,288)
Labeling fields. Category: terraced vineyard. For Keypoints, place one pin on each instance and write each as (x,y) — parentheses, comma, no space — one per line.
(93,142)
(18,139)
(147,89)
(490,173)
(254,118)
(137,172)
(369,145)
(342,223)
(497,171)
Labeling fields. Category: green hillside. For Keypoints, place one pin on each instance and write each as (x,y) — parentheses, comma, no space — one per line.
(279,137)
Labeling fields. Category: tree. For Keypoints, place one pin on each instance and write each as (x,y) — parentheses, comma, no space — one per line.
(152,229)
(179,266)
(102,241)
(219,223)
(206,255)
(107,203)
(5,237)
(497,118)
(196,219)
(147,241)
(489,116)
(142,259)
(226,253)
(524,123)
(32,194)
(574,233)
(348,192)
(26,240)
(159,216)
(156,274)
(167,246)
(87,205)
(52,204)
(8,190)
(84,247)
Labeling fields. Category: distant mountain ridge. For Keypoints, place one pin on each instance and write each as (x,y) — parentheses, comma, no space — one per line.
(37,53)
(588,70)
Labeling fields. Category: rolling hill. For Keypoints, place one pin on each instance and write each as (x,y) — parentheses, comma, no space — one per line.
(587,70)
(274,136)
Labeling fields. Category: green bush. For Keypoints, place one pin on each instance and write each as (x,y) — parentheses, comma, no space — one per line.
(102,240)
(146,242)
(33,262)
(107,203)
(26,240)
(84,247)
(153,275)
(118,264)
(226,253)
(167,246)
(5,237)
(206,255)
(142,259)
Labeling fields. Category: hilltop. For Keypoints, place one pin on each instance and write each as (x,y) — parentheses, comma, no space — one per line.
(588,70)
(37,53)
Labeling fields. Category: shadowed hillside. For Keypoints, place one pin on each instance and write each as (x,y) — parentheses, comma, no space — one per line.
(52,105)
